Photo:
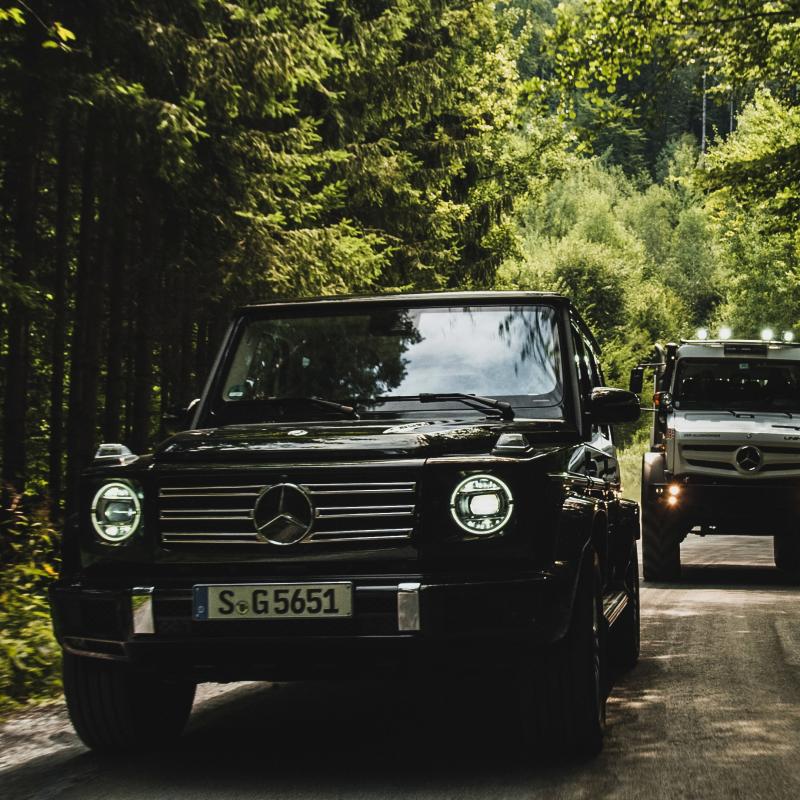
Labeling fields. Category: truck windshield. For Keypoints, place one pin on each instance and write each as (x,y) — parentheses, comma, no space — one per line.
(738,385)
(382,359)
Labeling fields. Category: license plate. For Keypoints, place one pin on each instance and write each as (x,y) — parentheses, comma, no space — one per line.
(273,601)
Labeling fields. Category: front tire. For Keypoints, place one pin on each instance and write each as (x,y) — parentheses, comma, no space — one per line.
(661,548)
(116,710)
(563,698)
(786,549)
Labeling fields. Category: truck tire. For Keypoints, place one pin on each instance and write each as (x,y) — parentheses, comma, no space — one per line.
(117,710)
(786,549)
(661,547)
(563,698)
(626,631)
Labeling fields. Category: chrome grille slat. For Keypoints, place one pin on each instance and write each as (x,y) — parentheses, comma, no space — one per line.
(196,518)
(360,491)
(210,494)
(365,531)
(382,538)
(349,511)
(195,511)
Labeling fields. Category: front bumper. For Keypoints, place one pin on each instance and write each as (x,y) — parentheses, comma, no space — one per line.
(395,621)
(746,507)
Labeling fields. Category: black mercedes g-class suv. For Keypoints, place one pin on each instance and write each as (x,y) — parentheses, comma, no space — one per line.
(385,482)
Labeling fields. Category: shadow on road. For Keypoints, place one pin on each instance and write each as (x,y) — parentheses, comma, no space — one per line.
(367,739)
(730,576)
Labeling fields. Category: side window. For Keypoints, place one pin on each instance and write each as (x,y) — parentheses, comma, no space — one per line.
(593,367)
(597,380)
(584,378)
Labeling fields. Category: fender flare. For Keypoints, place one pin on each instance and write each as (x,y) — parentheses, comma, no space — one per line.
(653,471)
(586,552)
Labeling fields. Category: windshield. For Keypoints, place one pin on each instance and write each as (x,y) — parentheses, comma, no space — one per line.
(738,385)
(369,357)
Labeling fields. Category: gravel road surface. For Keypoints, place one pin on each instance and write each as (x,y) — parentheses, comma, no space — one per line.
(712,711)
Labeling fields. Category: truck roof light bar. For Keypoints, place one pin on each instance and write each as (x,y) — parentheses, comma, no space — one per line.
(742,343)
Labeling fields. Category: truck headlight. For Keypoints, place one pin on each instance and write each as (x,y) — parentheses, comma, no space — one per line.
(481,504)
(116,512)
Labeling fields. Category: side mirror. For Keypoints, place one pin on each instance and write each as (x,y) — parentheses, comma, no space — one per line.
(179,418)
(113,453)
(637,380)
(608,406)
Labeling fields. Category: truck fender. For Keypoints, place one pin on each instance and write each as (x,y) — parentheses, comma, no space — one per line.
(652,473)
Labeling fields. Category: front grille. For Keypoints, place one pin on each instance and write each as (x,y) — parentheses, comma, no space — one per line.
(722,457)
(709,464)
(349,511)
(709,448)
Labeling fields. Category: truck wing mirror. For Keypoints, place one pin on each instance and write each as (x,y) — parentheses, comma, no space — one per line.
(608,406)
(663,402)
(637,379)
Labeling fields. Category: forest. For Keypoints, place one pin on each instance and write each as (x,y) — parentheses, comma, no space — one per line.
(162,163)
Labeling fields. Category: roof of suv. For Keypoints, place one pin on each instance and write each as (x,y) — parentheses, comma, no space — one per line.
(428,298)
(416,298)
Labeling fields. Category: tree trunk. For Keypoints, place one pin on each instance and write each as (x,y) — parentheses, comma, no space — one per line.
(117,266)
(23,176)
(59,332)
(188,311)
(143,345)
(79,417)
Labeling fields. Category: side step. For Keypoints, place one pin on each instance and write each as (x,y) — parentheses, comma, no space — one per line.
(613,605)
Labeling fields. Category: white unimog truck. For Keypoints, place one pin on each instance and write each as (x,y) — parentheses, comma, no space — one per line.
(725,446)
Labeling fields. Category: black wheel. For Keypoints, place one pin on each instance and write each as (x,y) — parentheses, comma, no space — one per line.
(786,548)
(626,629)
(661,547)
(116,710)
(563,701)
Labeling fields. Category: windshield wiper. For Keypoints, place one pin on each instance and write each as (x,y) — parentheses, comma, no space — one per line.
(474,401)
(317,401)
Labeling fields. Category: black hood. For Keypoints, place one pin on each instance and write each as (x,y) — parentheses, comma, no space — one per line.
(337,441)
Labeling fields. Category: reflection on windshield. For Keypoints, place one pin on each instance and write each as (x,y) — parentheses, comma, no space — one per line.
(738,385)
(508,352)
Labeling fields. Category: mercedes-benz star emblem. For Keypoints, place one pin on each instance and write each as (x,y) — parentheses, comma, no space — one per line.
(283,514)
(748,458)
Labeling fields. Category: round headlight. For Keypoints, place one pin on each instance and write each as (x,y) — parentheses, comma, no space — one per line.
(481,504)
(116,512)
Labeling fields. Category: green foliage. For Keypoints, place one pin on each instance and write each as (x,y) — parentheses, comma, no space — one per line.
(634,256)
(758,166)
(753,177)
(603,42)
(29,655)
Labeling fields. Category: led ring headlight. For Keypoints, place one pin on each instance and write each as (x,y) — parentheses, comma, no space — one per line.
(116,512)
(481,504)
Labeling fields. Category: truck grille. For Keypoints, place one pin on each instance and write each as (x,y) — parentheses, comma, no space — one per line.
(344,511)
(781,459)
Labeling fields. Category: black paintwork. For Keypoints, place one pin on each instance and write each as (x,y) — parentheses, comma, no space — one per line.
(514,587)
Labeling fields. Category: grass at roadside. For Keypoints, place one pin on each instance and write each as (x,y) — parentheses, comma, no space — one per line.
(29,655)
(630,463)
